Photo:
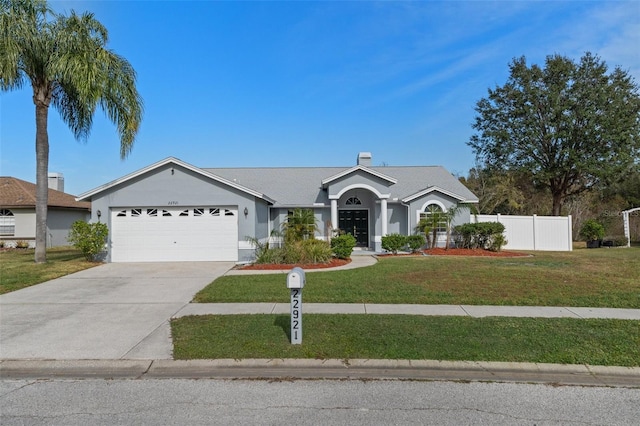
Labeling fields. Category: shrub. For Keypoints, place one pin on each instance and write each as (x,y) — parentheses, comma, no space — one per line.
(89,238)
(313,251)
(415,242)
(304,251)
(497,241)
(592,230)
(394,242)
(484,235)
(22,244)
(343,245)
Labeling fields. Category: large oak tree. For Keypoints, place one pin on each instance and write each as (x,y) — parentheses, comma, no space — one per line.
(571,125)
(67,64)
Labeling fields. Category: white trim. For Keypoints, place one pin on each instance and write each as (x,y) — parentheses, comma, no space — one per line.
(429,202)
(358,186)
(355,169)
(431,189)
(177,162)
(424,207)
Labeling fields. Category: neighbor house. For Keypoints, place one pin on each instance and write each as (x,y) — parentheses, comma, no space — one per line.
(173,211)
(18,211)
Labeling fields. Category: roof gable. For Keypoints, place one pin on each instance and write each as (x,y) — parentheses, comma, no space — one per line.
(430,190)
(176,162)
(20,193)
(355,169)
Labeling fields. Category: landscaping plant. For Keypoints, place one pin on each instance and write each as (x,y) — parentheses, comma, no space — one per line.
(89,238)
(342,245)
(394,242)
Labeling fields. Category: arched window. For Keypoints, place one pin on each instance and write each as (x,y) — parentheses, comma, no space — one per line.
(7,222)
(434,215)
(353,201)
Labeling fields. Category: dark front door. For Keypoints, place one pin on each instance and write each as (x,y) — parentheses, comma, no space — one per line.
(356,223)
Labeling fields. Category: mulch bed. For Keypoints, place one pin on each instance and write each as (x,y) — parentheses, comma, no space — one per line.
(430,252)
(279,266)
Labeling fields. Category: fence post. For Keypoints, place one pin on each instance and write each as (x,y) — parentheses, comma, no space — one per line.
(535,232)
(570,230)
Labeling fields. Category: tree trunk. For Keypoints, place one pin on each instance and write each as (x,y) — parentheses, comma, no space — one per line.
(557,204)
(42,180)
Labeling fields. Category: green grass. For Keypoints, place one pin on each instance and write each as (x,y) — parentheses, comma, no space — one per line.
(595,278)
(18,269)
(547,340)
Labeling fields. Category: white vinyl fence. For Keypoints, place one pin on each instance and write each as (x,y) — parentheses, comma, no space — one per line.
(551,233)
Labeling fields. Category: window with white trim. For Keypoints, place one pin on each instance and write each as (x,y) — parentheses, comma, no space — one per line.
(434,213)
(7,222)
(353,201)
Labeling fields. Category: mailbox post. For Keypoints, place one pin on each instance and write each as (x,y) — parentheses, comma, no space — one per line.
(295,282)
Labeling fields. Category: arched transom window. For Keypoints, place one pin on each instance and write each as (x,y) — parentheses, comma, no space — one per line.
(353,201)
(7,222)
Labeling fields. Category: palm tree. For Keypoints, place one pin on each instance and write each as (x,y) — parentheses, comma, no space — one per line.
(66,61)
(300,225)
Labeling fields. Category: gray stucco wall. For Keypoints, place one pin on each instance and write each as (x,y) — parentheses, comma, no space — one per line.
(59,223)
(172,185)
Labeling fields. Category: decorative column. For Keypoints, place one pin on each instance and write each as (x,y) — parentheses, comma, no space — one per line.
(334,214)
(383,216)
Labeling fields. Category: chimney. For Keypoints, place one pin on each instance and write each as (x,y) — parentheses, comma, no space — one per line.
(56,181)
(364,159)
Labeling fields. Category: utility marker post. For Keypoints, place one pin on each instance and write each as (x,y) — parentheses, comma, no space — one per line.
(295,282)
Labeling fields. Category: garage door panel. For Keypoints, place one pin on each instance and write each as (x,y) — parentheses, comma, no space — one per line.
(193,234)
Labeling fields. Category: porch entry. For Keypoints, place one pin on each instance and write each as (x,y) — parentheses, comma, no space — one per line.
(356,223)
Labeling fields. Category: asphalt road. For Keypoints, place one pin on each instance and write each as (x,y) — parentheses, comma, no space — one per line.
(310,402)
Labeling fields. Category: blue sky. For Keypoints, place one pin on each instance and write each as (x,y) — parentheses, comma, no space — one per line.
(233,84)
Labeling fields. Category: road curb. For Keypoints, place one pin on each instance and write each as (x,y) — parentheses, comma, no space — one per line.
(363,369)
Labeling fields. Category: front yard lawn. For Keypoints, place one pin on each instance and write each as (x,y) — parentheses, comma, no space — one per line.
(545,340)
(18,269)
(594,278)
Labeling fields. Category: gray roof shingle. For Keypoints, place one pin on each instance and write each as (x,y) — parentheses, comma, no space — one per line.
(302,186)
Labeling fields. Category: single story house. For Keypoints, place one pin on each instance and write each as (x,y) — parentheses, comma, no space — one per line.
(173,211)
(18,211)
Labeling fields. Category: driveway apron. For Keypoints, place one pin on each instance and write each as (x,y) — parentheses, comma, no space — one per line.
(113,311)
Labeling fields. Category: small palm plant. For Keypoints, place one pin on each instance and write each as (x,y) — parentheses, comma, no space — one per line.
(300,225)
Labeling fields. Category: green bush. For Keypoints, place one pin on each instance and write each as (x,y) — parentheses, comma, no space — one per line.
(484,235)
(304,251)
(89,238)
(592,230)
(343,245)
(394,242)
(314,251)
(497,241)
(415,242)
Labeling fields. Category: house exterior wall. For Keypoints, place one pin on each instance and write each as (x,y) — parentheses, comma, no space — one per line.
(419,204)
(59,223)
(25,224)
(397,218)
(172,185)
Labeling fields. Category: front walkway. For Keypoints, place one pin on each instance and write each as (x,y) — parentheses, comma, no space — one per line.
(406,309)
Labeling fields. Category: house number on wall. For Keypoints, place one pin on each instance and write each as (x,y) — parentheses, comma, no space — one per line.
(172,203)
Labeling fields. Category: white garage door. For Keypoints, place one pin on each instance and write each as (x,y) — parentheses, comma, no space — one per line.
(171,234)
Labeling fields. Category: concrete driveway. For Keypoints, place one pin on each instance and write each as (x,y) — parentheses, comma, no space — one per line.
(113,311)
